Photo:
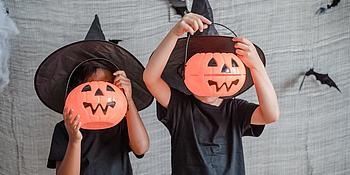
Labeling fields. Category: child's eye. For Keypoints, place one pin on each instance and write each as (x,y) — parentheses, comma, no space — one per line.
(86,88)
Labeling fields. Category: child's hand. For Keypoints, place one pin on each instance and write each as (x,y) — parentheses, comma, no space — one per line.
(246,51)
(191,23)
(122,82)
(73,125)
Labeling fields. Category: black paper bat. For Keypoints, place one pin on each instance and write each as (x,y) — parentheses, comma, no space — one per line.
(179,6)
(323,78)
(115,41)
(322,10)
(333,4)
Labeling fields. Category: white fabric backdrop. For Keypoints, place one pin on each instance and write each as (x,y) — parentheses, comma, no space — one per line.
(7,29)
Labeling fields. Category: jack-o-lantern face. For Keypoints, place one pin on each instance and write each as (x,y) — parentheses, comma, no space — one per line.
(100,104)
(214,74)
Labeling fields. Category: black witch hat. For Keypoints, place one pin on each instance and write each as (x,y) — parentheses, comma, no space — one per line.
(52,77)
(202,42)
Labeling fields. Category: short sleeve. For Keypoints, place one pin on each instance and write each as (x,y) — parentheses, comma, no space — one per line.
(125,135)
(245,111)
(169,116)
(58,145)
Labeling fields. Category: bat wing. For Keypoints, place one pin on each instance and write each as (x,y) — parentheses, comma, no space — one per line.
(115,41)
(322,10)
(333,4)
(325,79)
(179,6)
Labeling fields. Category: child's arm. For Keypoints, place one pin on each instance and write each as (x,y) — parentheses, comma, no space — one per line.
(138,137)
(268,111)
(70,165)
(152,74)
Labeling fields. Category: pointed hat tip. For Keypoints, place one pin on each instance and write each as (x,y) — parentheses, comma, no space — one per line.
(95,32)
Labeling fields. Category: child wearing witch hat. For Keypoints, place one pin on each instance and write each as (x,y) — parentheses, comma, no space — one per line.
(89,146)
(206,126)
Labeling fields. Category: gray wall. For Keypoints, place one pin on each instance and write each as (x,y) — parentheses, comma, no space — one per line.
(311,137)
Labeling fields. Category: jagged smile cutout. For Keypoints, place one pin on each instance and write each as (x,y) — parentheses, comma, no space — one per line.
(104,110)
(228,87)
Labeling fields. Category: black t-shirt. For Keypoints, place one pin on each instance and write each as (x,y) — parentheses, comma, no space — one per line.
(206,139)
(103,152)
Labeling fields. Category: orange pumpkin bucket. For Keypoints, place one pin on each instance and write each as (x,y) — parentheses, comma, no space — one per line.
(214,74)
(100,104)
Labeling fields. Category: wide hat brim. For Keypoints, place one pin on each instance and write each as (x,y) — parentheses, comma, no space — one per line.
(173,72)
(51,77)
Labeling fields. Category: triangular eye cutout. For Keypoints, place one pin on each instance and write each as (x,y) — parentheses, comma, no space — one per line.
(212,63)
(98,92)
(225,69)
(234,64)
(86,88)
(109,88)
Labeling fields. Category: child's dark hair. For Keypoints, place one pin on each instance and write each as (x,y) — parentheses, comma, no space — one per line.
(84,71)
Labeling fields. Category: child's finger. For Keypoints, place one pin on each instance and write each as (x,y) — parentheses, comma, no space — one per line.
(120,72)
(75,121)
(68,117)
(188,28)
(203,19)
(205,26)
(123,85)
(194,22)
(241,46)
(125,80)
(239,39)
(242,40)
(200,25)
(78,127)
(241,52)
(120,77)
(76,118)
(122,81)
(118,84)
(117,79)
(66,112)
(194,25)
